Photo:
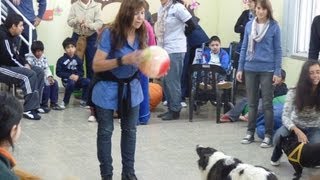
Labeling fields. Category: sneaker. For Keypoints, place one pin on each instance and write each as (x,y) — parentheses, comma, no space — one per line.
(224,85)
(83,104)
(165,103)
(184,104)
(247,139)
(162,114)
(275,163)
(56,107)
(266,143)
(63,105)
(92,119)
(32,115)
(202,86)
(225,118)
(43,110)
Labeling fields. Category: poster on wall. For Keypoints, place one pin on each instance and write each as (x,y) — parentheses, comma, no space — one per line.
(54,8)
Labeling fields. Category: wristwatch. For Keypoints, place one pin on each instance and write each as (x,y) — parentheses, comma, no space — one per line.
(119,61)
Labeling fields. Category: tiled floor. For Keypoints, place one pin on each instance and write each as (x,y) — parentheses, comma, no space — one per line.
(63,146)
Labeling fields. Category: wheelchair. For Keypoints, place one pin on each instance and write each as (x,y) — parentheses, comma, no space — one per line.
(203,81)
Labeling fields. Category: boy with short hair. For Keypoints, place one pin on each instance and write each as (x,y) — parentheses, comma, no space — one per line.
(217,56)
(51,88)
(70,69)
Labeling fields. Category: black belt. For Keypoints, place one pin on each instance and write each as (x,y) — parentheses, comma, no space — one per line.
(124,104)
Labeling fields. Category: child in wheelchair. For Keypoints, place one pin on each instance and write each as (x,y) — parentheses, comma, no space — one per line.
(214,55)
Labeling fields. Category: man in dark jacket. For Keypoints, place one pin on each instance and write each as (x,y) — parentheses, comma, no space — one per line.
(14,68)
(314,46)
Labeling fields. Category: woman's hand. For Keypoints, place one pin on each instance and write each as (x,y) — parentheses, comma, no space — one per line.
(133,58)
(301,136)
(276,80)
(239,76)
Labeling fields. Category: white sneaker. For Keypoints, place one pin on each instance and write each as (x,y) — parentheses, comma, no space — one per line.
(275,163)
(184,104)
(224,85)
(62,105)
(92,119)
(165,103)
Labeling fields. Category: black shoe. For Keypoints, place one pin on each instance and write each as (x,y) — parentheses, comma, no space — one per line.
(32,115)
(108,177)
(128,177)
(162,114)
(172,115)
(56,106)
(43,110)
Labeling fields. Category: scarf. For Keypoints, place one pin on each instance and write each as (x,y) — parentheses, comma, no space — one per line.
(7,155)
(255,37)
(160,24)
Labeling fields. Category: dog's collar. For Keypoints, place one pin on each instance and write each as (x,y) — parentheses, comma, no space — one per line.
(296,151)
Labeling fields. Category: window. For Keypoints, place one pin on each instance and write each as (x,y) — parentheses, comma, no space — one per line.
(296,30)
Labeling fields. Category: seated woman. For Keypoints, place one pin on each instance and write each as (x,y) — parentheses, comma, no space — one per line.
(301,112)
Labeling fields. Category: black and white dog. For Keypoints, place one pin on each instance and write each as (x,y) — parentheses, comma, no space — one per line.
(215,165)
(300,155)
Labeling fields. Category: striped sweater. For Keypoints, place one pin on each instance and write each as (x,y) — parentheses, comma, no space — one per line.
(308,117)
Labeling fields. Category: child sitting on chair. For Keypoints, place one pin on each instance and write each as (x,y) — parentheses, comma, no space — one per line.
(70,70)
(51,88)
(217,56)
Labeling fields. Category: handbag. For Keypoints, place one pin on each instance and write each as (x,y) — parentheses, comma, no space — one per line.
(81,46)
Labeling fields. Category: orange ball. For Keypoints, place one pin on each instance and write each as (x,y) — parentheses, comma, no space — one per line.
(155,95)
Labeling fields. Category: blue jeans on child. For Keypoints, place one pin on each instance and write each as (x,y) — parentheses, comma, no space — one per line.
(312,133)
(71,85)
(50,92)
(128,140)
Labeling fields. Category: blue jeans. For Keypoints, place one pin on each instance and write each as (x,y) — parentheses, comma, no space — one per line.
(90,51)
(71,85)
(312,133)
(254,80)
(128,140)
(50,92)
(172,82)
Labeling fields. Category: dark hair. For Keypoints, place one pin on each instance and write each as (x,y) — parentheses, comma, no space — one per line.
(12,19)
(10,115)
(266,4)
(214,38)
(123,22)
(37,46)
(304,95)
(68,41)
(283,74)
(177,1)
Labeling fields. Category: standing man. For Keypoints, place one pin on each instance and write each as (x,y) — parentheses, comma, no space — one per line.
(26,8)
(14,68)
(314,46)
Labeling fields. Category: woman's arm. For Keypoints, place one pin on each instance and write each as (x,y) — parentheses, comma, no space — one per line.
(287,110)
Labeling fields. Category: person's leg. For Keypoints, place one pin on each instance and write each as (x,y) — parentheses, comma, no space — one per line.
(84,84)
(184,76)
(104,134)
(252,87)
(144,112)
(40,78)
(54,92)
(45,96)
(90,51)
(313,135)
(26,79)
(128,140)
(236,111)
(267,96)
(69,88)
(277,152)
(173,86)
